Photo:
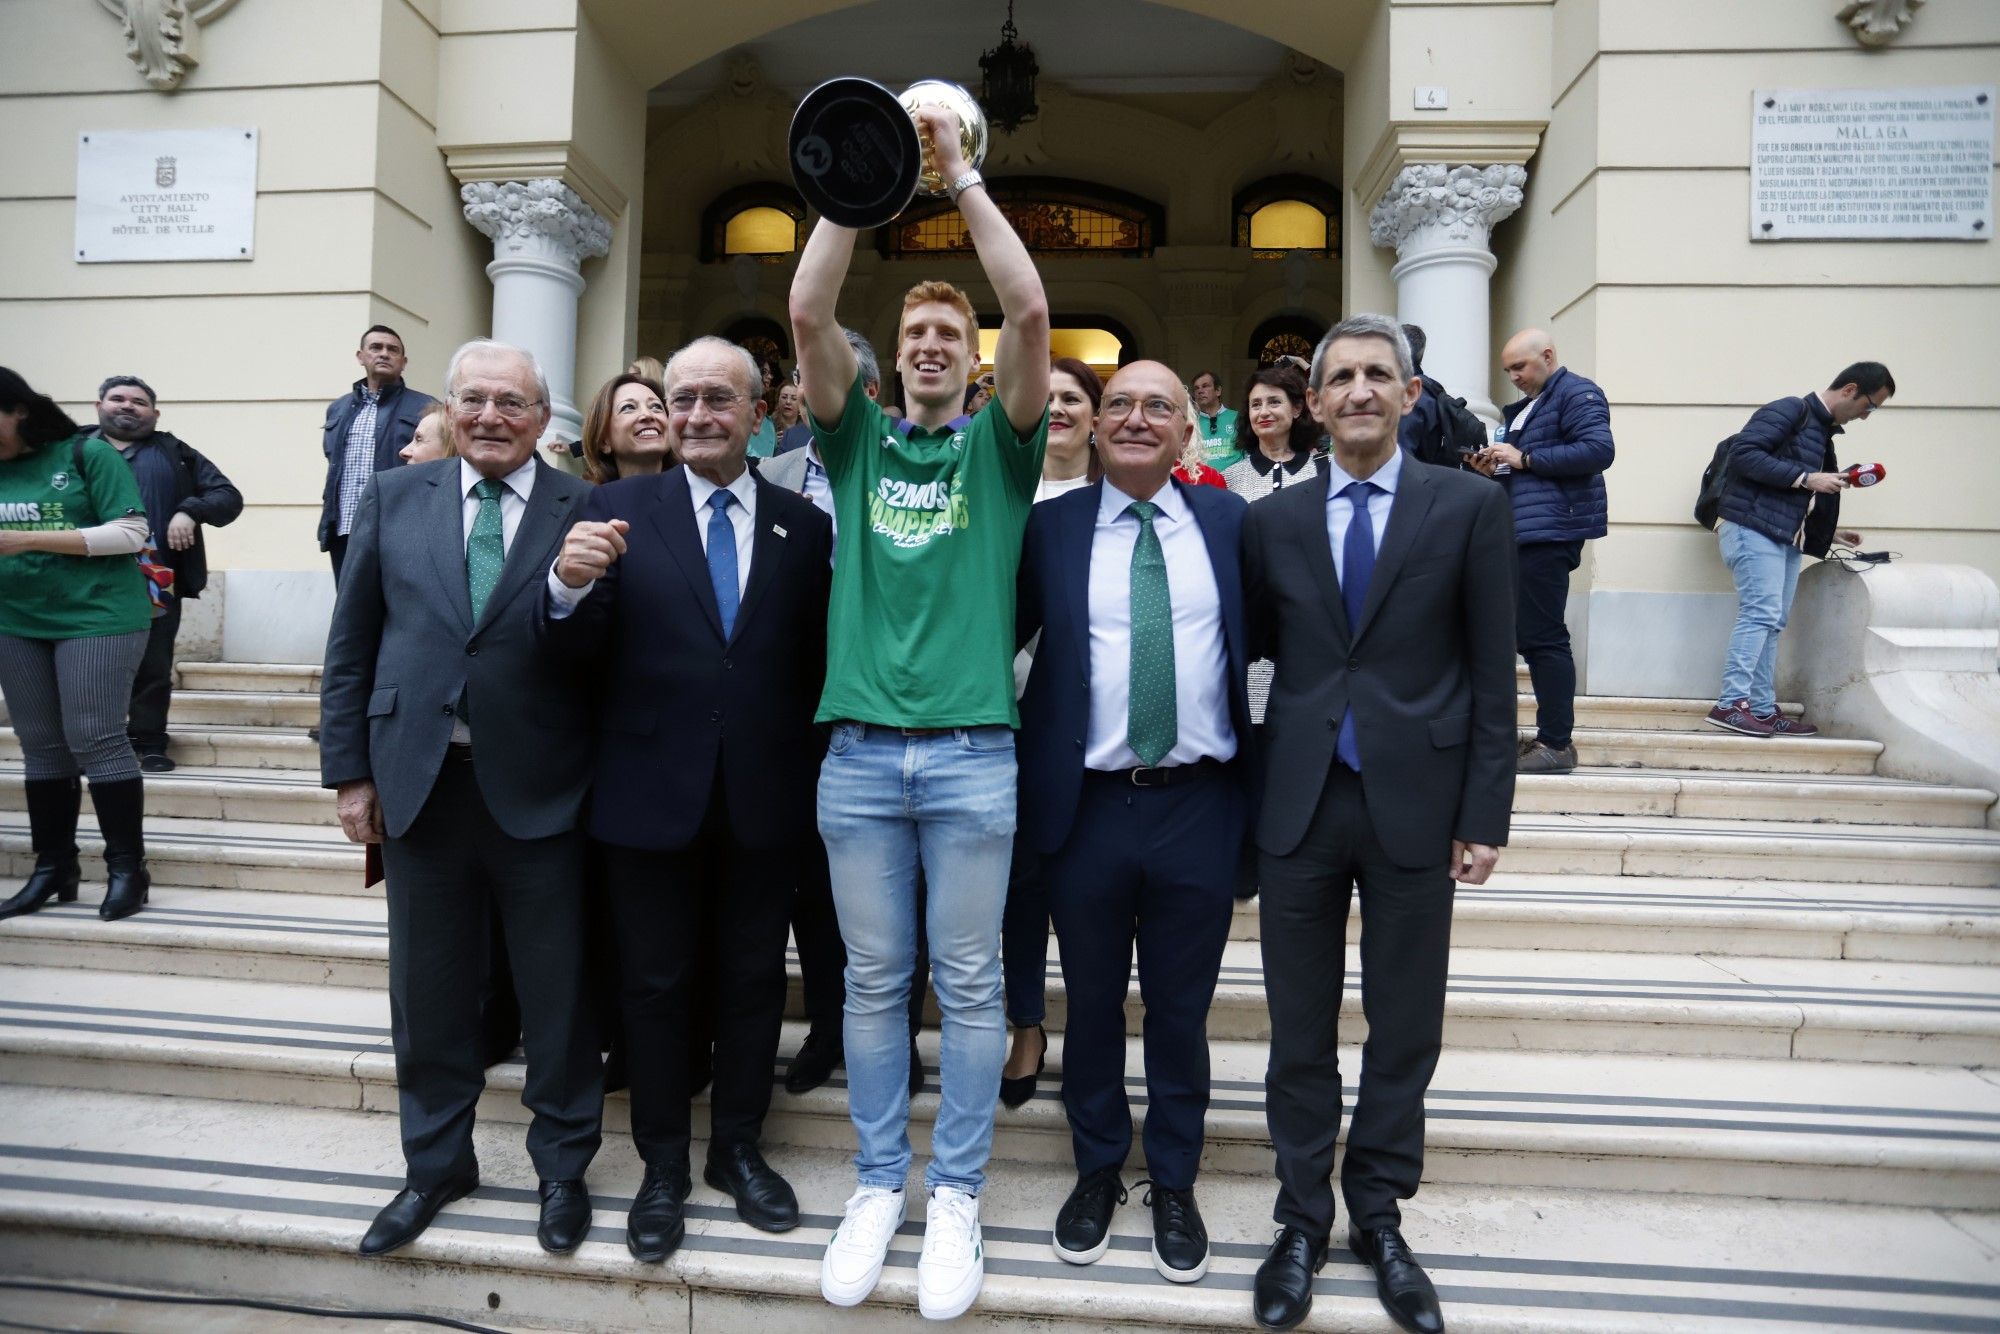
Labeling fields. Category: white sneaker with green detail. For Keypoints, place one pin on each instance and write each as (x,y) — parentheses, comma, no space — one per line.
(953,1264)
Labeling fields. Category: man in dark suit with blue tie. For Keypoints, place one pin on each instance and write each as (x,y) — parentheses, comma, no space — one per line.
(701,596)
(1386,600)
(1134,786)
(455,743)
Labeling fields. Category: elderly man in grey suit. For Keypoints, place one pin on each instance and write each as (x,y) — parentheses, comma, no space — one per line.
(454,742)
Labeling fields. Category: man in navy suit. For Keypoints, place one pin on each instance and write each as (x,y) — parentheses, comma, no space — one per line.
(702,594)
(1134,787)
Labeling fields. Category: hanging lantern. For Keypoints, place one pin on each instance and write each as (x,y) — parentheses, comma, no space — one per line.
(1007,79)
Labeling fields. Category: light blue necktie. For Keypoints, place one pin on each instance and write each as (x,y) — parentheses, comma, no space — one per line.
(722,560)
(1357,567)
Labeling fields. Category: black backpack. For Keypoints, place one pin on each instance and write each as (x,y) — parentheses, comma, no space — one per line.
(1458,431)
(1715,477)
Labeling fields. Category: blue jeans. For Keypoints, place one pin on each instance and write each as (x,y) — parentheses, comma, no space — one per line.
(887,802)
(1767,574)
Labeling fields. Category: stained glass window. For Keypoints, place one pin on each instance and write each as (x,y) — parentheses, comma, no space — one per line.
(1051,218)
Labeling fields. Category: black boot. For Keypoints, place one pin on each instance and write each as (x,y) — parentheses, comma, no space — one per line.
(121,816)
(52,807)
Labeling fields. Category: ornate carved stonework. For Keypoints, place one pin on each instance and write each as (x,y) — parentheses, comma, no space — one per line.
(540,219)
(163,37)
(1434,204)
(1876,22)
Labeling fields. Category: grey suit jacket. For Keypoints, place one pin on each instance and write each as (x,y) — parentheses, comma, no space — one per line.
(786,471)
(403,652)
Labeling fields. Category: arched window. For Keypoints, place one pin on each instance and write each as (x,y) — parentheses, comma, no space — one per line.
(763,220)
(1052,217)
(1284,336)
(1280,214)
(764,337)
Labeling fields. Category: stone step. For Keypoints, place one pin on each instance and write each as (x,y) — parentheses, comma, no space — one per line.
(1830,1130)
(272,677)
(1632,713)
(168,1192)
(222,747)
(295,796)
(1544,1000)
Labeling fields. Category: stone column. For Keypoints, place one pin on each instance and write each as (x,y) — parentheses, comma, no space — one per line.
(1440,220)
(542,232)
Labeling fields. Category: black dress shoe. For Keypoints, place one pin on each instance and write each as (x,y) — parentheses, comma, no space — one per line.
(1016,1092)
(1083,1224)
(764,1199)
(1180,1239)
(156,762)
(916,1068)
(404,1218)
(658,1221)
(814,1063)
(565,1216)
(1283,1295)
(1401,1283)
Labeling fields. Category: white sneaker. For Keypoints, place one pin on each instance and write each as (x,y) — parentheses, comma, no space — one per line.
(854,1257)
(953,1264)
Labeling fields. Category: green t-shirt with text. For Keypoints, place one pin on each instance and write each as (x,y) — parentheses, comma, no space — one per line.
(921,628)
(1218,437)
(48,596)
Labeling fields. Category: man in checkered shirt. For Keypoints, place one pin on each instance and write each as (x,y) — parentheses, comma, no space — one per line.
(364,431)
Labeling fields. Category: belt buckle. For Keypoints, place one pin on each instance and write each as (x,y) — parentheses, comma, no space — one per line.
(1137,781)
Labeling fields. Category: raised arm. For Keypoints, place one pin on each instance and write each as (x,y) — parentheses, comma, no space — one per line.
(826,361)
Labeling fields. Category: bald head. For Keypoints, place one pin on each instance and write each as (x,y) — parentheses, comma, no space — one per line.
(1141,426)
(1529,358)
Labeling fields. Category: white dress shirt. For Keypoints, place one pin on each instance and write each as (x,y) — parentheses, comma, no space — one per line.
(742,520)
(515,488)
(1201,658)
(1340,510)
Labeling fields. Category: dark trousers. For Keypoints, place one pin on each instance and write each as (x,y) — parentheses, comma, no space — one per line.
(822,956)
(153,687)
(336,551)
(1154,866)
(1541,635)
(1024,938)
(453,868)
(659,901)
(1405,956)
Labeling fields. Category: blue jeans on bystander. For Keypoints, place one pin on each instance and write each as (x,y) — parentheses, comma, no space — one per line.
(1767,574)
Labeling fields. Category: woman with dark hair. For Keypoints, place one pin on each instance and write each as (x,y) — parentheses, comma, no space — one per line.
(1278,437)
(1068,464)
(625,430)
(74,621)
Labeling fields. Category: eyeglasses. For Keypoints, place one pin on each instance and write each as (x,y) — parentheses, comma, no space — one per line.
(720,402)
(1158,411)
(513,409)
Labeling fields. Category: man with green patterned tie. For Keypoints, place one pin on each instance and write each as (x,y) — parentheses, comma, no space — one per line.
(463,749)
(1133,786)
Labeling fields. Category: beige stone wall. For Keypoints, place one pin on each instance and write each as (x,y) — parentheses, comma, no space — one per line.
(357,222)
(1633,247)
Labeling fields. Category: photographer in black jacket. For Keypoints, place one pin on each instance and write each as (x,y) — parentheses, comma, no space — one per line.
(182,491)
(1781,500)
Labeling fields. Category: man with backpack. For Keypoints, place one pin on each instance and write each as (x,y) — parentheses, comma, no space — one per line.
(1778,499)
(1440,429)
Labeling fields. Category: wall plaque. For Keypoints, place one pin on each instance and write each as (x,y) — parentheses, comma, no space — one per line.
(152,195)
(1871,163)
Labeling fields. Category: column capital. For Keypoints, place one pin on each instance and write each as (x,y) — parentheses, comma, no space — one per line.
(540,219)
(1429,205)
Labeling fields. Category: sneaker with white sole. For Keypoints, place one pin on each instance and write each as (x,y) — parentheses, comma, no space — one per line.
(953,1264)
(860,1244)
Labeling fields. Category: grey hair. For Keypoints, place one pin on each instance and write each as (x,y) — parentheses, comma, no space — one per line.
(864,356)
(487,346)
(1367,326)
(753,373)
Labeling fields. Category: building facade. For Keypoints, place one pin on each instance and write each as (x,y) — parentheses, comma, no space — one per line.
(1208,182)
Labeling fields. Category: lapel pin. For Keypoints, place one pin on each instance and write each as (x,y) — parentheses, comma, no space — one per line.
(778,529)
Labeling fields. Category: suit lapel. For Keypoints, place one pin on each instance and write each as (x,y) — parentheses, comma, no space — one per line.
(673,516)
(1078,530)
(446,539)
(1406,516)
(1221,559)
(542,518)
(766,550)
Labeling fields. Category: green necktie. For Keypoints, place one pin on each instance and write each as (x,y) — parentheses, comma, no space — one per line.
(1151,726)
(484,552)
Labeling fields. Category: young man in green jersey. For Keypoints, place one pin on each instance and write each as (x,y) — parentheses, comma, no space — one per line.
(920,693)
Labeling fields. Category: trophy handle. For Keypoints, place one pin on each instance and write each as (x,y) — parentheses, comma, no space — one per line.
(973,135)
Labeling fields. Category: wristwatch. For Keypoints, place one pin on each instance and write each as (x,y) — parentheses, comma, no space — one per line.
(964,183)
